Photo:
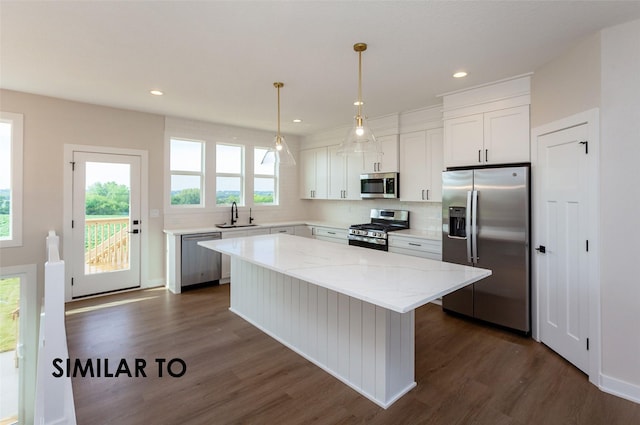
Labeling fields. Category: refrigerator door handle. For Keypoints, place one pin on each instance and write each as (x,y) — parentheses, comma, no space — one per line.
(468,226)
(474,226)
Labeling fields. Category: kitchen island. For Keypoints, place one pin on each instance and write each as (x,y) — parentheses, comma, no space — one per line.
(347,309)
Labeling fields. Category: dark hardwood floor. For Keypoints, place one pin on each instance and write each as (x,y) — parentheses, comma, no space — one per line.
(467,373)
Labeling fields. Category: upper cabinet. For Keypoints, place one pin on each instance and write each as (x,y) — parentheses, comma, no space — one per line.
(313,173)
(344,175)
(421,165)
(388,161)
(488,125)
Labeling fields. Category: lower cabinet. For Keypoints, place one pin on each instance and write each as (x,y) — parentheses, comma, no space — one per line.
(425,248)
(330,234)
(290,230)
(304,231)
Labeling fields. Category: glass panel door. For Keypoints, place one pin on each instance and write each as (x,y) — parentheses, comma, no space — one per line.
(106,223)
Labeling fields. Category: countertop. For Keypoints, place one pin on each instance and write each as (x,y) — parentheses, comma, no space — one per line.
(393,281)
(414,233)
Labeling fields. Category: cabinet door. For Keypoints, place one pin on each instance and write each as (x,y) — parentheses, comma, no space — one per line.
(413,166)
(421,164)
(313,173)
(435,165)
(352,176)
(307,173)
(388,161)
(506,136)
(322,175)
(337,174)
(464,140)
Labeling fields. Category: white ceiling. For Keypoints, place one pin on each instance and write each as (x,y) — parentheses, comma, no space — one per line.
(217,60)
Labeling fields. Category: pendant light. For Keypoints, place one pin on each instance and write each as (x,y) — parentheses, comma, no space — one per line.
(279,153)
(360,139)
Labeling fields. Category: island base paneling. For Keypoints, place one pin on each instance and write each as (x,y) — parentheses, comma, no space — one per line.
(367,347)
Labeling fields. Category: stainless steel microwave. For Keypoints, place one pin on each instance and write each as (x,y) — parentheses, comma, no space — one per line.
(379,185)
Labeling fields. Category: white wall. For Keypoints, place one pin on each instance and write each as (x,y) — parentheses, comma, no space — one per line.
(49,124)
(620,195)
(603,72)
(568,84)
(290,206)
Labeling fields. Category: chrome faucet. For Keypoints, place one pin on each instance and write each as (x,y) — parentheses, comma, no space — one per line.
(234,219)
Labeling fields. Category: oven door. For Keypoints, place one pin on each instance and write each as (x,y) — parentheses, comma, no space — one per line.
(373,243)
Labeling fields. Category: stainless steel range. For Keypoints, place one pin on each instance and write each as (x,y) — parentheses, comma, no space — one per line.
(374,234)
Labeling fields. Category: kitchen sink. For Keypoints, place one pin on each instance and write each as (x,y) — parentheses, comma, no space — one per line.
(230,226)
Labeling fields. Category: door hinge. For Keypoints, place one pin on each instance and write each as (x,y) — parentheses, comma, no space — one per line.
(586,146)
(73,165)
(587,243)
(587,344)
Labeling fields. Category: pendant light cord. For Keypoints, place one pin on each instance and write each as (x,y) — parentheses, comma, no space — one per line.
(359,84)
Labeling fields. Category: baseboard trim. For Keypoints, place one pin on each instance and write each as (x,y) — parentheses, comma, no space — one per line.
(153,283)
(620,388)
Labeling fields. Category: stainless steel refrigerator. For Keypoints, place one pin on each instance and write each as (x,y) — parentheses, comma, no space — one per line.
(485,223)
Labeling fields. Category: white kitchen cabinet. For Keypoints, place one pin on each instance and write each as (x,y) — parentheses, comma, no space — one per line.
(421,165)
(344,175)
(416,247)
(303,231)
(313,173)
(495,137)
(331,234)
(388,161)
(290,230)
(226,261)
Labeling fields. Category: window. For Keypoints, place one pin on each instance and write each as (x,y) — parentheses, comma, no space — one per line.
(229,174)
(10,179)
(187,172)
(264,180)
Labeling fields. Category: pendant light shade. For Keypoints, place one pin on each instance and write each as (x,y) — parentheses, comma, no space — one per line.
(279,152)
(360,138)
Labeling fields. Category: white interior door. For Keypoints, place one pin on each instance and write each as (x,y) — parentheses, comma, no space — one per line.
(106,223)
(562,232)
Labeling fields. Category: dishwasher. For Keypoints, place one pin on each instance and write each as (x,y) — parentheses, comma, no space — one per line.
(199,265)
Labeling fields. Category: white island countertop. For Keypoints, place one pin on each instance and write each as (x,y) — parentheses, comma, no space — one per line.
(393,281)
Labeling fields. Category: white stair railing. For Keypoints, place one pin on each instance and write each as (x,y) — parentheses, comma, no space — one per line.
(54,396)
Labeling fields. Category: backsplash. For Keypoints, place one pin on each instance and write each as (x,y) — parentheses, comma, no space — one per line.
(424,216)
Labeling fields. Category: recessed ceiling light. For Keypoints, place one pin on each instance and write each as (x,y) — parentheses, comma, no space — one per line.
(460,74)
(297,120)
(156,92)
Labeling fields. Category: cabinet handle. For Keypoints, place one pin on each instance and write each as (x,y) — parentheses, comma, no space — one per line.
(486,155)
(427,194)
(423,194)
(331,233)
(414,244)
(479,153)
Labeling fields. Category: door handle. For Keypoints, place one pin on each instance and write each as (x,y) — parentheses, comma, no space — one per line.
(474,227)
(467,221)
(136,231)
(541,249)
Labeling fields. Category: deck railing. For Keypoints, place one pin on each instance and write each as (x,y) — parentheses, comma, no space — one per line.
(107,243)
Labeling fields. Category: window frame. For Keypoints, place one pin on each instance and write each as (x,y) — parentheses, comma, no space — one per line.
(274,176)
(242,202)
(16,186)
(201,173)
